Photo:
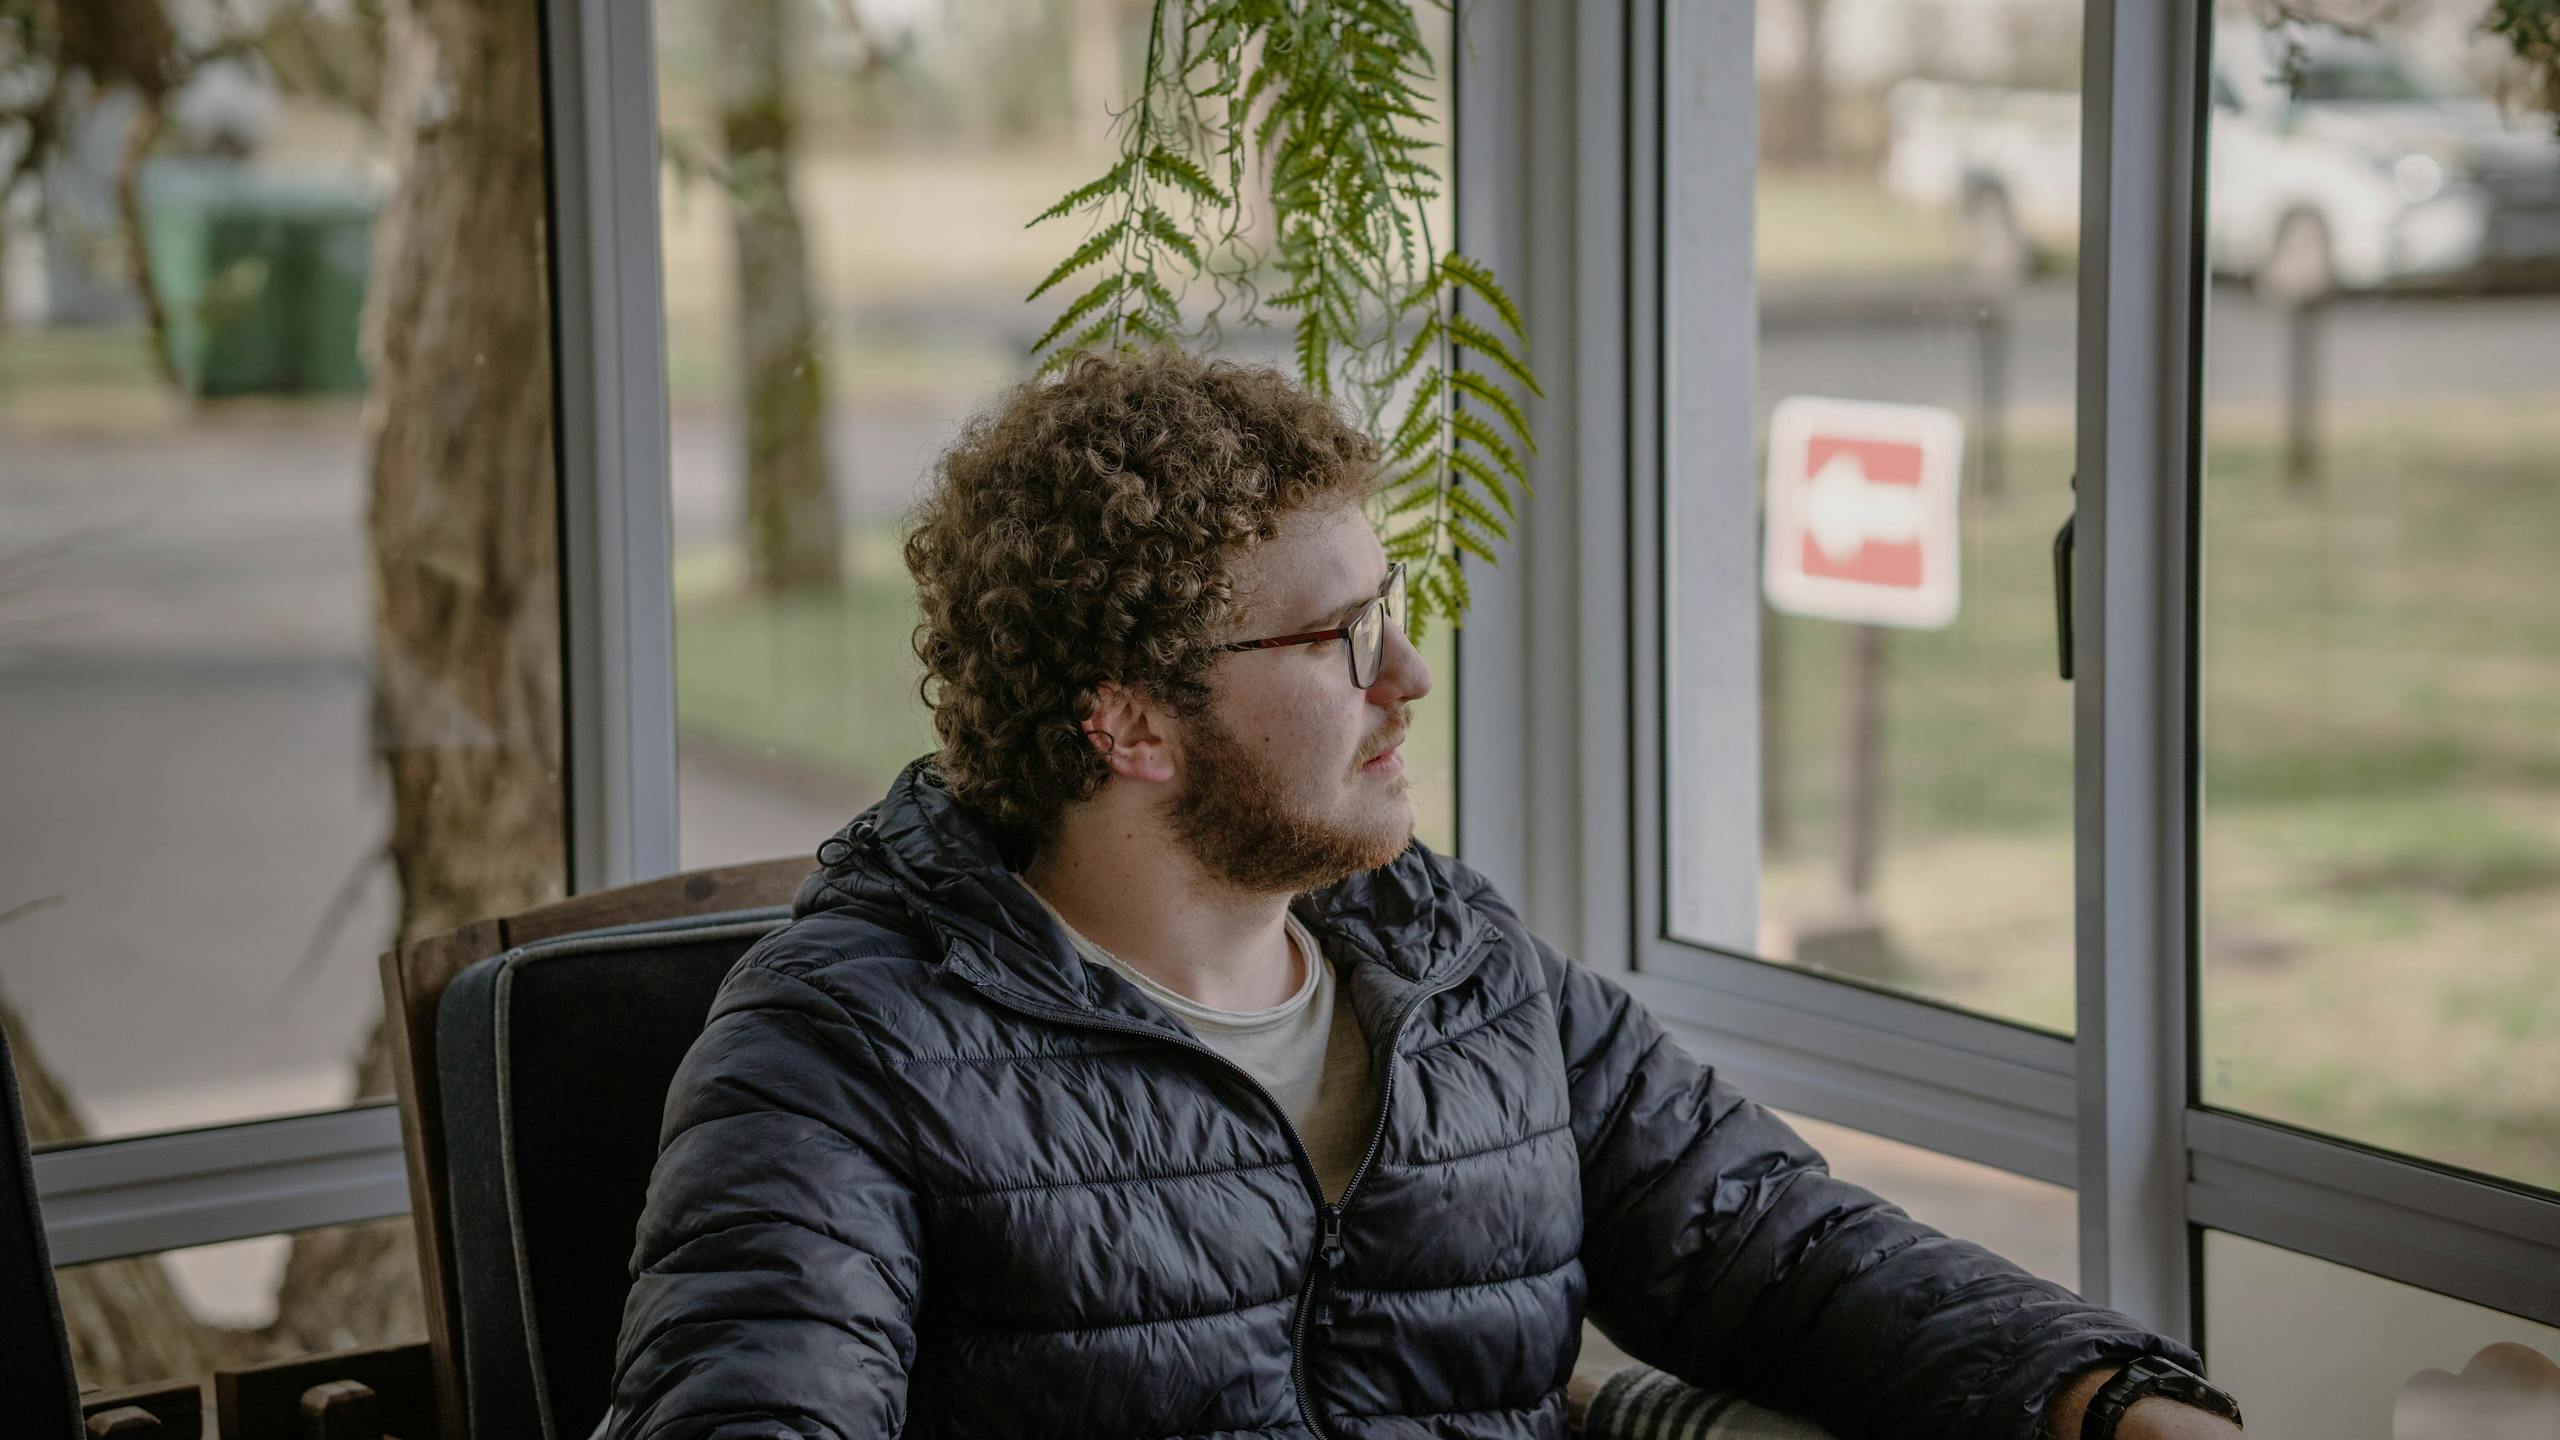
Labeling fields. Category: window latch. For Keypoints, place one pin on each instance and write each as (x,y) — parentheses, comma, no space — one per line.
(2062,546)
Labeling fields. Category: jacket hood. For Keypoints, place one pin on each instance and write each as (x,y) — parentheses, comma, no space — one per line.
(923,853)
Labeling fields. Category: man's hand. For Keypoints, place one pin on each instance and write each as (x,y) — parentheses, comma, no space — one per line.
(2153,1417)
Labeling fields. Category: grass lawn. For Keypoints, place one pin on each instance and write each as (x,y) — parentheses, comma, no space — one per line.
(1819,224)
(2380,848)
(90,380)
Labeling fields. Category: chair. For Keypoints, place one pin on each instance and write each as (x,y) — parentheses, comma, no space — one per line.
(37,1385)
(532,1052)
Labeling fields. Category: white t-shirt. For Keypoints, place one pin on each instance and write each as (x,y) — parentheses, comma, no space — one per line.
(1307,1050)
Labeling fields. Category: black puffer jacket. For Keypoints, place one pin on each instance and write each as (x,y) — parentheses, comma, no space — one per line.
(928,1172)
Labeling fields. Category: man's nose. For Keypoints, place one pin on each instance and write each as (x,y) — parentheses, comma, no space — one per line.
(1402,674)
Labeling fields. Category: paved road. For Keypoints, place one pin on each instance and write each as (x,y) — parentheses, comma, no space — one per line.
(2373,350)
(185,785)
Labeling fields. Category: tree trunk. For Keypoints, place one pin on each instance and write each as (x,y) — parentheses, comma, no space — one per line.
(790,513)
(1811,142)
(464,548)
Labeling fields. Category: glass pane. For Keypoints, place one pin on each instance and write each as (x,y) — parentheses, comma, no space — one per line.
(2380,843)
(2315,1351)
(885,230)
(183,1313)
(279,618)
(1917,207)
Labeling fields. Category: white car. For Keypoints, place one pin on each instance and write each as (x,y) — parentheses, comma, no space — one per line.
(2334,163)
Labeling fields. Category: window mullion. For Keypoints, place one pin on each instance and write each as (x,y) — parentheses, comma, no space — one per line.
(2134,796)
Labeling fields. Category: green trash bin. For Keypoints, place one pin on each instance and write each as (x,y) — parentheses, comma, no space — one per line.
(260,277)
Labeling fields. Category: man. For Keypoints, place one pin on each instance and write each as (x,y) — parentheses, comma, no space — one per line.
(1130,1071)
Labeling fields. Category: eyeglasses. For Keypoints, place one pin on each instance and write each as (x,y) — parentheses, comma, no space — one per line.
(1367,632)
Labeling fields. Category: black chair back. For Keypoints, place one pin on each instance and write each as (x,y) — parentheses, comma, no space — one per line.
(38,1391)
(555,1059)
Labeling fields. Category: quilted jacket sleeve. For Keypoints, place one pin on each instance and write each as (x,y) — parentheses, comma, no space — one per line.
(1720,1248)
(778,1261)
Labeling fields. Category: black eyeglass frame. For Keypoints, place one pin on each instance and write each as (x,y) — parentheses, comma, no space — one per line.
(1386,609)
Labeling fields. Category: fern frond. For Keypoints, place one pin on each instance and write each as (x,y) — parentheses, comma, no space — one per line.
(1183,173)
(1419,532)
(1475,387)
(1084,194)
(1464,504)
(1472,429)
(1421,422)
(1103,290)
(1162,230)
(1467,274)
(1085,254)
(1467,463)
(1091,337)
(1423,334)
(1478,340)
(1474,544)
(1335,97)
(1414,500)
(1314,344)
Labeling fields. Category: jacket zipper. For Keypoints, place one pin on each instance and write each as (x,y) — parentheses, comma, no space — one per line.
(1329,1254)
(1329,1248)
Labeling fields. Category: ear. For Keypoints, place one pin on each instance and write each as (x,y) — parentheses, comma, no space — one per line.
(1130,733)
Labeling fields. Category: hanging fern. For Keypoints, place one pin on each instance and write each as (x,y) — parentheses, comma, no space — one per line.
(1328,94)
(2532,29)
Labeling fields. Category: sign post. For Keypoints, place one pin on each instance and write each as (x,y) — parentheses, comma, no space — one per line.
(1861,528)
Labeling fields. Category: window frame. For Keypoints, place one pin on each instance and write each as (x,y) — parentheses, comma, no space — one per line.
(1570,102)
(2164,1166)
(144,1194)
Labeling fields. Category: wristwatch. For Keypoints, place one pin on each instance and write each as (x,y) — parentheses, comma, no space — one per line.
(2152,1375)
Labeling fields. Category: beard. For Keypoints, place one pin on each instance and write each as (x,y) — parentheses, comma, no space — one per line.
(1239,821)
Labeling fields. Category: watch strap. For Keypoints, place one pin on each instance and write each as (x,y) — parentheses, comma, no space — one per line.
(2152,1375)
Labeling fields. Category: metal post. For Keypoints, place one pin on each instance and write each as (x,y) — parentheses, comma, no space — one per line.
(615,583)
(2306,321)
(1866,764)
(1991,397)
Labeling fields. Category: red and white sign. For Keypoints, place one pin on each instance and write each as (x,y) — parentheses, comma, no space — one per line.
(1862,511)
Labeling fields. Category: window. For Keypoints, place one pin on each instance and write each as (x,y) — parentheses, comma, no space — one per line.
(182,1313)
(2319,1352)
(2380,859)
(279,634)
(842,293)
(2294,433)
(1916,196)
(278,679)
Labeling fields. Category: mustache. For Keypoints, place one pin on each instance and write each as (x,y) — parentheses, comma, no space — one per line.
(1397,724)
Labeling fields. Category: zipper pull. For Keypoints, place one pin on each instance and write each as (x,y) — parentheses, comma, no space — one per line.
(1328,1259)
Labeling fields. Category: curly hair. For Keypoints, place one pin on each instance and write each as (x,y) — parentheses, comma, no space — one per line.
(1084,529)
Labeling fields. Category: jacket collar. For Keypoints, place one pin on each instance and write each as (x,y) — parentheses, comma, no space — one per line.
(922,849)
